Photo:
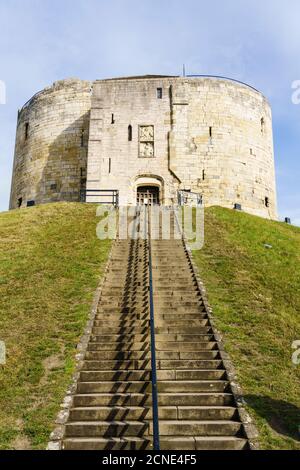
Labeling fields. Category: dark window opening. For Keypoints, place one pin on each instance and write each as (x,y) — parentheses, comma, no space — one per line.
(267,202)
(53,187)
(30,203)
(130,133)
(210,132)
(112,118)
(159,93)
(148,196)
(109,166)
(20,201)
(251,152)
(82,172)
(82,139)
(203,175)
(26,130)
(262,125)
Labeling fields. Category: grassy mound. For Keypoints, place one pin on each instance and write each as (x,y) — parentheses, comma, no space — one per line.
(251,269)
(50,265)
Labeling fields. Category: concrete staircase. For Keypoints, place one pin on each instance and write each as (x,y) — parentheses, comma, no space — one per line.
(112,408)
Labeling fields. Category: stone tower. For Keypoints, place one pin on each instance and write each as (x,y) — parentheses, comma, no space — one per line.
(147,135)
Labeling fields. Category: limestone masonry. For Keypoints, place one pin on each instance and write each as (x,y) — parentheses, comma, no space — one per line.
(147,137)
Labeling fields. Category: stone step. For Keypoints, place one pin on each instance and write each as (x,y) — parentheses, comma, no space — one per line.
(121,375)
(199,428)
(187,304)
(176,313)
(119,325)
(124,443)
(184,346)
(134,375)
(134,342)
(117,318)
(195,385)
(166,287)
(122,330)
(118,365)
(175,316)
(203,443)
(121,338)
(146,387)
(138,428)
(107,429)
(120,413)
(146,354)
(206,413)
(117,355)
(184,329)
(205,374)
(166,443)
(190,364)
(118,346)
(144,399)
(138,294)
(106,310)
(114,387)
(181,323)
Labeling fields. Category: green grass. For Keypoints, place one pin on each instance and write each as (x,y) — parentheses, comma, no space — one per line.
(255,295)
(50,265)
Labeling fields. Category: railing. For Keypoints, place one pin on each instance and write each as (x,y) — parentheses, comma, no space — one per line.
(100,196)
(219,77)
(189,198)
(156,443)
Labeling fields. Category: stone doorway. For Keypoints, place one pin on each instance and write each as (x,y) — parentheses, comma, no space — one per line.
(147,196)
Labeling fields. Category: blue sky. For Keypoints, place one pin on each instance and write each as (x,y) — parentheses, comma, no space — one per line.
(257,41)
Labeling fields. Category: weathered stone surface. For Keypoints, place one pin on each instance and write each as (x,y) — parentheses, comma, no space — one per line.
(51,144)
(207,135)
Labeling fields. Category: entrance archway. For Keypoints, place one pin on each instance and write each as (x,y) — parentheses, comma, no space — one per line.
(147,195)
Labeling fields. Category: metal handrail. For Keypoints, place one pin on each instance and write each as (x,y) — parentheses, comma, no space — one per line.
(185,196)
(105,193)
(156,440)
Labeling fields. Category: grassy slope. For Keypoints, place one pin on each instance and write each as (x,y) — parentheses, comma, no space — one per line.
(50,266)
(255,295)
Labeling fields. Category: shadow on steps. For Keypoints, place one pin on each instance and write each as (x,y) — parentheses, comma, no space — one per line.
(282,417)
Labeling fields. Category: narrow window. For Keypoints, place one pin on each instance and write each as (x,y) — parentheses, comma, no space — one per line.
(109,166)
(20,201)
(251,152)
(210,132)
(262,125)
(82,138)
(267,202)
(26,130)
(203,175)
(129,133)
(159,93)
(112,118)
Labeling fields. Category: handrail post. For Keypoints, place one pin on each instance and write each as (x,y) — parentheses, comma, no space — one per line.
(156,443)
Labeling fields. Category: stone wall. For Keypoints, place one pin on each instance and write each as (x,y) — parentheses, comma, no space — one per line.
(211,136)
(207,135)
(51,145)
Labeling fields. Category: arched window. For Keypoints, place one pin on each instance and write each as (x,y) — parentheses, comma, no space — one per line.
(129,133)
